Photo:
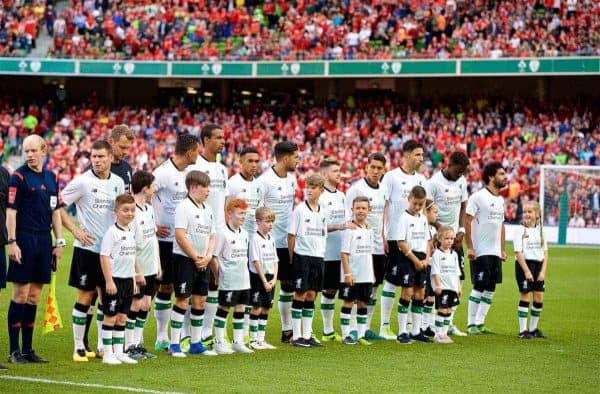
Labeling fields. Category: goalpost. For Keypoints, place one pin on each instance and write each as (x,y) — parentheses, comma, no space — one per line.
(570,203)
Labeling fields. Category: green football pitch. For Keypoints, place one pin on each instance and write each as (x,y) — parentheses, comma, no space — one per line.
(567,361)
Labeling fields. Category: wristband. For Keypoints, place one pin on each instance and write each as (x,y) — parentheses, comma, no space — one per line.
(11,241)
(60,243)
(347,275)
(460,230)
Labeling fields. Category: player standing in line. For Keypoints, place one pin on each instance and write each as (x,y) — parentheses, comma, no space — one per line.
(121,138)
(212,138)
(144,228)
(33,214)
(306,243)
(121,271)
(398,183)
(278,185)
(245,186)
(448,189)
(428,321)
(485,244)
(93,194)
(409,269)
(263,277)
(371,188)
(531,250)
(170,188)
(357,274)
(333,204)
(445,279)
(234,278)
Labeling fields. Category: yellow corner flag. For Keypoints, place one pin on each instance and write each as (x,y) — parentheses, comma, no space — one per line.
(52,320)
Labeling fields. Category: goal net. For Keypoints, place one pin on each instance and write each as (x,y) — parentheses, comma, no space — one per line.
(570,203)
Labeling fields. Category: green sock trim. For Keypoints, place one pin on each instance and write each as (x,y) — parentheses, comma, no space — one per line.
(308,312)
(535,313)
(196,322)
(99,316)
(248,310)
(327,307)
(523,314)
(262,327)
(176,324)
(345,322)
(416,309)
(238,326)
(389,294)
(474,299)
(286,298)
(296,314)
(447,322)
(212,300)
(427,309)
(129,325)
(219,323)
(80,321)
(486,300)
(159,306)
(253,329)
(402,309)
(439,323)
(118,341)
(361,320)
(107,341)
(140,323)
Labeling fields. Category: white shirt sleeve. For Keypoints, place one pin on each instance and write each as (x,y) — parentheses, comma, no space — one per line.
(386,181)
(435,265)
(403,228)
(465,193)
(107,244)
(254,252)
(350,196)
(518,240)
(430,189)
(181,217)
(73,191)
(213,224)
(346,241)
(472,205)
(294,222)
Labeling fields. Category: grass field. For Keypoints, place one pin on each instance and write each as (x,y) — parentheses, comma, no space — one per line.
(567,361)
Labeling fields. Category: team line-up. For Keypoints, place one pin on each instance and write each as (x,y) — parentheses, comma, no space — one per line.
(218,244)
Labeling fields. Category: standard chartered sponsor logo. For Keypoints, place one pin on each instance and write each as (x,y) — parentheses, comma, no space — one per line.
(127,251)
(103,203)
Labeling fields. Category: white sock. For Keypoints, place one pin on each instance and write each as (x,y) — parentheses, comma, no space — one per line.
(162,314)
(212,303)
(106,334)
(362,319)
(118,335)
(220,328)
(428,316)
(262,326)
(285,309)
(327,312)
(247,312)
(79,320)
(536,311)
(523,311)
(138,332)
(353,322)
(474,301)
(439,324)
(484,307)
(307,319)
(402,318)
(196,320)
(371,306)
(177,316)
(452,312)
(417,316)
(99,320)
(185,328)
(254,328)
(446,326)
(345,321)
(238,328)
(387,303)
(297,319)
(129,329)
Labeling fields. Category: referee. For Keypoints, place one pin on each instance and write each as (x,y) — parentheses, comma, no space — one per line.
(33,212)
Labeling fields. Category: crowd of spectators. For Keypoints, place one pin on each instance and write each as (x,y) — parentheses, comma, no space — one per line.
(303,29)
(522,135)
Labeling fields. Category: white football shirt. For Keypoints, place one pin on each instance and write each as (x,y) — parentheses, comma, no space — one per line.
(446,266)
(94,199)
(248,190)
(310,229)
(169,183)
(218,175)
(144,228)
(414,230)
(377,197)
(528,240)
(448,196)
(398,185)
(488,218)
(198,223)
(263,249)
(232,252)
(358,243)
(279,194)
(119,245)
(333,205)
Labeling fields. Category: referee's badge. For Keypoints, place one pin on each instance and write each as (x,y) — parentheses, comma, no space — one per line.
(53,202)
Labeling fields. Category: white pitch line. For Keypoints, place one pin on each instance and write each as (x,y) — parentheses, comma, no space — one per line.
(77,384)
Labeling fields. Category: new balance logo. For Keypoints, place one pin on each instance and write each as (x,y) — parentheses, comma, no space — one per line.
(298,283)
(112,306)
(229,296)
(83,280)
(182,287)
